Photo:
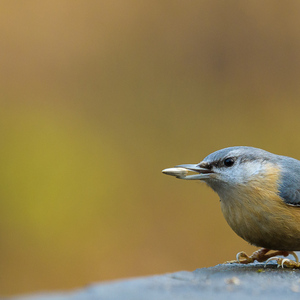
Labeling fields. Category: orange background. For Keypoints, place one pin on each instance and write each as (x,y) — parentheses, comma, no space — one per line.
(97,97)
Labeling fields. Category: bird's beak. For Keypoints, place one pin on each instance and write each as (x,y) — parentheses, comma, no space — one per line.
(181,172)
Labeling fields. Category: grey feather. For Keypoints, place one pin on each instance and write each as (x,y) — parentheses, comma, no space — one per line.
(289,188)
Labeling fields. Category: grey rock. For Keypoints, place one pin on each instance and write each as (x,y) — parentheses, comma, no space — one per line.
(230,281)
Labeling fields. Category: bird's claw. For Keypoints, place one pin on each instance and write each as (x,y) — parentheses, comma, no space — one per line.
(243,258)
(262,255)
(284,262)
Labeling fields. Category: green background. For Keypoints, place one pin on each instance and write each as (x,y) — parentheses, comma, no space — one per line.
(97,97)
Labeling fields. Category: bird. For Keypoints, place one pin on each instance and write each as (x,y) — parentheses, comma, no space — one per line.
(259,196)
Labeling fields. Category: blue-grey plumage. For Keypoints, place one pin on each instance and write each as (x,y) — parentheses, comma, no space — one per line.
(259,193)
(289,168)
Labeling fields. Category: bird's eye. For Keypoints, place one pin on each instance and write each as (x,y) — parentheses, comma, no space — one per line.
(228,162)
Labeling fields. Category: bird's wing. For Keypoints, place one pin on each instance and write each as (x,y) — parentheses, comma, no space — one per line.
(291,196)
(289,188)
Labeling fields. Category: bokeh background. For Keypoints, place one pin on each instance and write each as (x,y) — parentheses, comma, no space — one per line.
(97,97)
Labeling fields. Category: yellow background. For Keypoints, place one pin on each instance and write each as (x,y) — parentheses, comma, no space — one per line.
(97,97)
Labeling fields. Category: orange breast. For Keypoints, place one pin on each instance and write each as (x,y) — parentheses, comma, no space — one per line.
(256,213)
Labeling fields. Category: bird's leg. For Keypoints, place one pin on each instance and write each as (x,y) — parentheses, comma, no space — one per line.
(285,262)
(262,255)
(243,258)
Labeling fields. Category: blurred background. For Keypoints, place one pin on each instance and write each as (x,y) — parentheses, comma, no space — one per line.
(97,97)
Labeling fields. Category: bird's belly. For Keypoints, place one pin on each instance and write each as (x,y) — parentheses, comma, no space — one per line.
(271,223)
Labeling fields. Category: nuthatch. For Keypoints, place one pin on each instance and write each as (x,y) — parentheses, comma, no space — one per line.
(260,198)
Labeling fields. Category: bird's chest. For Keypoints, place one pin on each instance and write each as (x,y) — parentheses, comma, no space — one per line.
(259,217)
(245,218)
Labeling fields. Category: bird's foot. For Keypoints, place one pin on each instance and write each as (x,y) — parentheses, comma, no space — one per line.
(285,262)
(262,255)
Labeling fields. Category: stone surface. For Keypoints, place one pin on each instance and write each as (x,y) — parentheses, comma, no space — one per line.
(232,281)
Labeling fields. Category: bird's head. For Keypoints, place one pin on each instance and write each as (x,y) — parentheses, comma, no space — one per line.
(231,168)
